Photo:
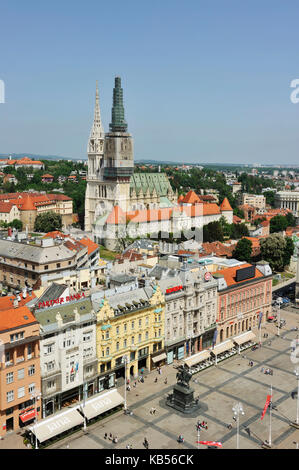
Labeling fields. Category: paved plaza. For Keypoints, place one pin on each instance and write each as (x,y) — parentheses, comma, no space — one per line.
(219,388)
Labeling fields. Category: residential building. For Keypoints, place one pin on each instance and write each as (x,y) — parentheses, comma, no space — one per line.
(22,264)
(190,308)
(68,352)
(20,368)
(129,324)
(243,292)
(256,200)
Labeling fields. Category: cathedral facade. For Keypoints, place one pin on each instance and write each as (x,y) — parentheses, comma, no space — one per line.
(111,180)
(121,204)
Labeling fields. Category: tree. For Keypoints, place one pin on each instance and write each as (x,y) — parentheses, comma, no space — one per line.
(278,223)
(239,231)
(273,251)
(16,223)
(289,250)
(212,232)
(243,250)
(291,220)
(47,222)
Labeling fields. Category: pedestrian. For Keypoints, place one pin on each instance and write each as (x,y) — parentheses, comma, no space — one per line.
(135,383)
(151,410)
(156,379)
(165,381)
(154,411)
(106,435)
(146,443)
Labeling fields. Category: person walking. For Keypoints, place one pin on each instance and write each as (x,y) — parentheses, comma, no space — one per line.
(146,443)
(165,381)
(156,380)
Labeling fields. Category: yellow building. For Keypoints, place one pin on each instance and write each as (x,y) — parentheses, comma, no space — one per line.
(130,325)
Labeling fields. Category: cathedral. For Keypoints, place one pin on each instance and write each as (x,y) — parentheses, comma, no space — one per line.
(111,180)
(121,204)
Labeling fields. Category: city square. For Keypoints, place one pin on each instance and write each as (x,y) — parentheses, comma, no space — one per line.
(219,388)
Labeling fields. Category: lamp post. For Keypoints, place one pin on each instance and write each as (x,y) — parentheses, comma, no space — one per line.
(85,386)
(278,318)
(36,395)
(296,423)
(237,409)
(125,360)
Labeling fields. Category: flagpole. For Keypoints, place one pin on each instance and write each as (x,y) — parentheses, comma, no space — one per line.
(270,443)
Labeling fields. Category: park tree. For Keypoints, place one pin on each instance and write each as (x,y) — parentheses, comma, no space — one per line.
(47,222)
(213,232)
(278,224)
(289,250)
(273,250)
(291,220)
(243,250)
(17,224)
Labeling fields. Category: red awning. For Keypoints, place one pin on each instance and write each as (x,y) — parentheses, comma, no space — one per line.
(270,318)
(27,416)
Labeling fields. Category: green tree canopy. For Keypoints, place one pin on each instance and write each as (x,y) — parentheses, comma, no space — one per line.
(47,222)
(278,223)
(213,232)
(16,223)
(243,250)
(273,250)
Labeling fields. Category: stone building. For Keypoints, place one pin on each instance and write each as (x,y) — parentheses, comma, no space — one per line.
(22,264)
(111,180)
(67,353)
(131,325)
(190,308)
(288,200)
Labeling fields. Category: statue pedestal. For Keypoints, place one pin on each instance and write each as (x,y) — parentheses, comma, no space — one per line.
(182,399)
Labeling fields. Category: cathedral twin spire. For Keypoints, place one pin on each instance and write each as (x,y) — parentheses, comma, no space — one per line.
(97,130)
(118,123)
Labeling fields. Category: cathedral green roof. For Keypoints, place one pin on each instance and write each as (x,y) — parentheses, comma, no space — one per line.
(150,181)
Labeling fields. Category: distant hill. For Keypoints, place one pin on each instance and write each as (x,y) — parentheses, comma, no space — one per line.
(17,156)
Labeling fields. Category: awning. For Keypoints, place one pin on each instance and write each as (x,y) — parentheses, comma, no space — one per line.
(244,337)
(27,416)
(196,358)
(57,424)
(159,358)
(102,403)
(222,347)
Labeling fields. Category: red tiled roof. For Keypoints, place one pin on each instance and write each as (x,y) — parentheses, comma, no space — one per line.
(91,246)
(15,317)
(6,206)
(236,219)
(191,198)
(229,274)
(225,205)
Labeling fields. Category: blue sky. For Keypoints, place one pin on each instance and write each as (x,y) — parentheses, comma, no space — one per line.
(204,81)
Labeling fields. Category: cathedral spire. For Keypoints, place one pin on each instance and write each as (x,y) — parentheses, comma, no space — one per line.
(97,130)
(118,123)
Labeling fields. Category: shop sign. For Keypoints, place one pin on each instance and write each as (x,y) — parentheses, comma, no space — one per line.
(61,300)
(170,290)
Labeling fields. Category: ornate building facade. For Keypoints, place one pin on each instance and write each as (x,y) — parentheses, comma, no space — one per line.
(111,181)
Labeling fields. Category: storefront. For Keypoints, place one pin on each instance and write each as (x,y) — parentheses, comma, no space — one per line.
(158,360)
(207,338)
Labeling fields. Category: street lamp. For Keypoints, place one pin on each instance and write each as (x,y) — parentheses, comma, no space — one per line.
(296,371)
(36,395)
(125,361)
(278,318)
(85,387)
(237,409)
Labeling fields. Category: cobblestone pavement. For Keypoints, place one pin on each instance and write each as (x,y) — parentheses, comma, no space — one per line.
(219,388)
